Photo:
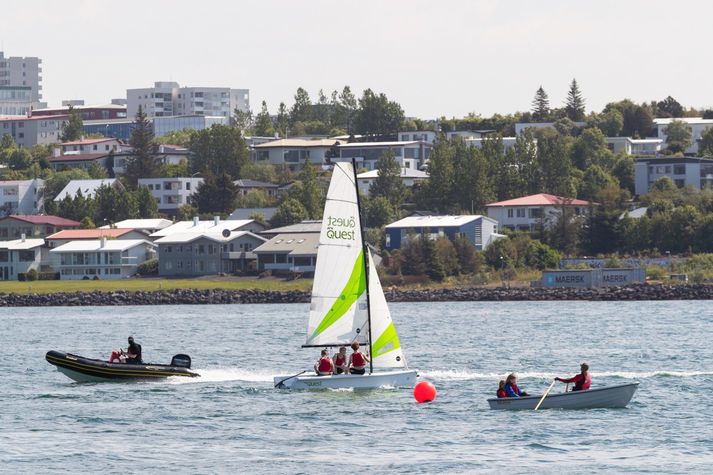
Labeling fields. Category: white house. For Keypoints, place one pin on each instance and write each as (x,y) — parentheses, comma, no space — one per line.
(293,152)
(648,146)
(88,188)
(419,136)
(171,193)
(21,255)
(508,142)
(288,253)
(216,225)
(412,154)
(696,125)
(21,196)
(101,258)
(148,226)
(101,145)
(684,171)
(408,175)
(68,235)
(530,213)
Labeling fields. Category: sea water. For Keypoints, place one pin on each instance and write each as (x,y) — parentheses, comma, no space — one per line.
(232,420)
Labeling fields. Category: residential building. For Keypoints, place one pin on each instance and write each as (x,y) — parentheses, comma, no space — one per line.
(171,193)
(420,136)
(88,188)
(684,171)
(246,213)
(409,176)
(81,160)
(245,186)
(305,227)
(18,71)
(121,128)
(695,125)
(479,230)
(293,152)
(216,225)
(93,112)
(30,131)
(101,258)
(21,196)
(167,99)
(36,226)
(413,154)
(15,101)
(100,145)
(69,235)
(289,253)
(149,226)
(508,142)
(637,147)
(207,252)
(534,212)
(167,154)
(20,255)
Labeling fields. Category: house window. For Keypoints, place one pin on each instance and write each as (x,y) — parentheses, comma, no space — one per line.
(680,182)
(511,212)
(520,212)
(535,213)
(679,169)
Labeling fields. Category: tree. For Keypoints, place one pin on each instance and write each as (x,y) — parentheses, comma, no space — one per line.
(610,122)
(73,128)
(97,171)
(447,255)
(623,171)
(143,162)
(244,120)
(678,136)
(705,146)
(377,115)
(308,192)
(216,194)
(146,203)
(591,148)
(669,107)
(302,108)
(540,105)
(595,179)
(289,212)
(555,166)
(112,205)
(541,256)
(7,142)
(378,212)
(322,111)
(176,137)
(19,159)
(501,254)
(388,182)
(468,257)
(574,107)
(437,191)
(217,150)
(283,120)
(638,119)
(263,123)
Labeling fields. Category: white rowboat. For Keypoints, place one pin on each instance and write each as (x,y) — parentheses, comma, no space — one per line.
(606,397)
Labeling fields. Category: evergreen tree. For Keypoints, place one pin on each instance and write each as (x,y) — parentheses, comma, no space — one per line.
(283,120)
(143,162)
(432,261)
(574,108)
(438,190)
(540,105)
(678,136)
(472,186)
(146,204)
(216,194)
(468,258)
(308,192)
(263,123)
(243,120)
(347,107)
(555,164)
(705,146)
(377,115)
(217,150)
(669,107)
(73,128)
(302,108)
(388,183)
(411,256)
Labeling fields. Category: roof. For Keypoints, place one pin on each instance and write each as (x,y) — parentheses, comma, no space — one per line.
(436,221)
(34,117)
(635,213)
(79,157)
(541,199)
(687,120)
(381,144)
(298,143)
(202,227)
(19,182)
(294,244)
(183,238)
(405,173)
(87,187)
(21,244)
(303,227)
(41,219)
(245,183)
(90,233)
(245,213)
(96,245)
(141,224)
(88,141)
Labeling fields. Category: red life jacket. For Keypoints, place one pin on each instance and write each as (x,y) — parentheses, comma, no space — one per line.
(341,359)
(501,393)
(358,360)
(325,365)
(582,383)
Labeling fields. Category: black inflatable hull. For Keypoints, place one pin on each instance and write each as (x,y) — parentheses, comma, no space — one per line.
(83,369)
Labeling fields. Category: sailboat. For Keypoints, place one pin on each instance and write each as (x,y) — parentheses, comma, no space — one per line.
(348,302)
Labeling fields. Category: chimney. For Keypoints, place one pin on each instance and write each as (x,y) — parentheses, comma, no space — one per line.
(23,236)
(102,242)
(195,220)
(216,220)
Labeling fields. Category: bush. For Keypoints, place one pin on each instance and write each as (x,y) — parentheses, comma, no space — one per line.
(31,275)
(148,268)
(541,256)
(48,276)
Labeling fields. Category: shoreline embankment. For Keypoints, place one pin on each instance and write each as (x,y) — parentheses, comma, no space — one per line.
(471,294)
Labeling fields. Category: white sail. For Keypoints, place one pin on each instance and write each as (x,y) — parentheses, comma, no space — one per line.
(386,349)
(338,309)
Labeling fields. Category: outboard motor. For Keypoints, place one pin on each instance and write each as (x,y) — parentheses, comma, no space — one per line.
(181,361)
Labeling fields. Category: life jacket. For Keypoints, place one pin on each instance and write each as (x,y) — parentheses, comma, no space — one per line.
(358,360)
(501,393)
(583,383)
(325,365)
(340,360)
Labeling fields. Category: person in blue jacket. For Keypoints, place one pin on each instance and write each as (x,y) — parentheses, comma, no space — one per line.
(511,389)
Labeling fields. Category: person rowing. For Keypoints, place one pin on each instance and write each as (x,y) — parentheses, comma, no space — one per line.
(581,381)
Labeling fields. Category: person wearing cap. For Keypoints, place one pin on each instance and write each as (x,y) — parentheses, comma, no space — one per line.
(581,381)
(133,352)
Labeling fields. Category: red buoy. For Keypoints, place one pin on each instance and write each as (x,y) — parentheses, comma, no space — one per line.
(424,391)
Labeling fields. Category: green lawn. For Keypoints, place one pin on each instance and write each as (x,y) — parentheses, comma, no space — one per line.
(51,286)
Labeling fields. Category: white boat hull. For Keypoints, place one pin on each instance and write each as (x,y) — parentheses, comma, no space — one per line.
(606,397)
(396,379)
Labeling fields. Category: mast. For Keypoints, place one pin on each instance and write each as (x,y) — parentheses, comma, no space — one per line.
(365,253)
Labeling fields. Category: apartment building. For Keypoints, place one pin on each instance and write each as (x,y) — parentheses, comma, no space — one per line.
(30,131)
(411,154)
(167,98)
(695,125)
(684,171)
(22,72)
(101,258)
(21,196)
(293,152)
(171,193)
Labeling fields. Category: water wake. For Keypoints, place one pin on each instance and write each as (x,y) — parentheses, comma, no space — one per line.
(216,375)
(464,375)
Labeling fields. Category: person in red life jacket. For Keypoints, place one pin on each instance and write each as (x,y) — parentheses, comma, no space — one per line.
(358,360)
(501,389)
(341,364)
(511,389)
(324,366)
(582,381)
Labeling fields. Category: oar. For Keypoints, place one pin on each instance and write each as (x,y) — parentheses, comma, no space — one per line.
(290,377)
(545,395)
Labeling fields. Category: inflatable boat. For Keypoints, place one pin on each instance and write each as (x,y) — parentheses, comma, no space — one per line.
(84,370)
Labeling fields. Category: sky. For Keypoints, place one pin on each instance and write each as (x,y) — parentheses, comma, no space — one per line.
(435,58)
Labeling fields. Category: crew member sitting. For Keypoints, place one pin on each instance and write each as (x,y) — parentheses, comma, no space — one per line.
(357,360)
(501,389)
(581,381)
(340,361)
(511,389)
(324,366)
(117,356)
(133,352)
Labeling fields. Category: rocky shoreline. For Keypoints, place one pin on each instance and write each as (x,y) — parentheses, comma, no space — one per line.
(474,294)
